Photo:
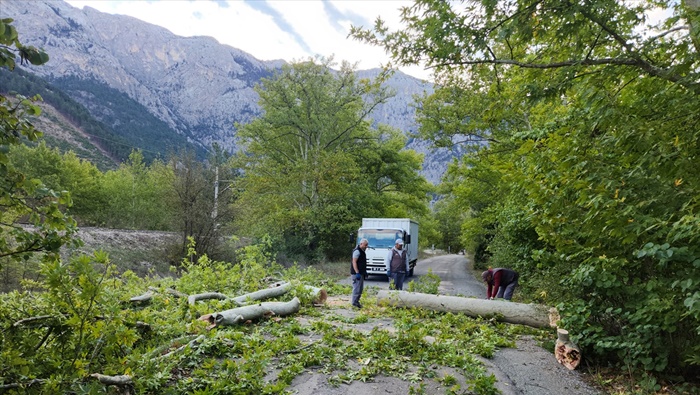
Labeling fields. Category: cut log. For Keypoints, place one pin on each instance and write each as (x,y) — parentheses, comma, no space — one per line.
(175,343)
(192,299)
(515,313)
(191,344)
(121,380)
(145,298)
(566,352)
(319,294)
(244,314)
(170,291)
(275,290)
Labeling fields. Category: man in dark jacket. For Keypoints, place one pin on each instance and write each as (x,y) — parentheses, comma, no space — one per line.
(500,283)
(396,263)
(358,270)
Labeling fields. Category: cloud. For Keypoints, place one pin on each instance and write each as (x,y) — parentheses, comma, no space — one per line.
(271,29)
(221,3)
(336,17)
(280,21)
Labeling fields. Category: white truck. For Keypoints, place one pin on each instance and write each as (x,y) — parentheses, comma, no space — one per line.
(381,233)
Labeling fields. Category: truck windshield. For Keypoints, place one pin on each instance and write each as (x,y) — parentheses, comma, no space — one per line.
(380,238)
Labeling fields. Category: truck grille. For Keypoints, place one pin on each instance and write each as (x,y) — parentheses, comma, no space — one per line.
(376,265)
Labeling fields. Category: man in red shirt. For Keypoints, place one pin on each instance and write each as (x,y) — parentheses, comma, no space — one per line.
(500,283)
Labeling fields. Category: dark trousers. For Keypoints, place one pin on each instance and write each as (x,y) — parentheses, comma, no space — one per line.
(397,280)
(357,287)
(505,291)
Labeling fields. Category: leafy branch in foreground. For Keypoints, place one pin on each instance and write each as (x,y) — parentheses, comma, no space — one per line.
(25,200)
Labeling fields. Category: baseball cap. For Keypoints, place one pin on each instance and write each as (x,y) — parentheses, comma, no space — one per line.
(399,241)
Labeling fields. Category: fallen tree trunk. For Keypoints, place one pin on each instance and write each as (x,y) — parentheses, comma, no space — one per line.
(171,291)
(192,299)
(145,298)
(275,290)
(121,380)
(148,296)
(267,293)
(515,313)
(244,314)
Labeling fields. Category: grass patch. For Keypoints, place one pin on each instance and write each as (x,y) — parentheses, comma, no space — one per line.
(334,270)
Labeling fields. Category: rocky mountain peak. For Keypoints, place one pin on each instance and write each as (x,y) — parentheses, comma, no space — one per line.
(197,86)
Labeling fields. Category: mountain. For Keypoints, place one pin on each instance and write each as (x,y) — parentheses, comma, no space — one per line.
(151,87)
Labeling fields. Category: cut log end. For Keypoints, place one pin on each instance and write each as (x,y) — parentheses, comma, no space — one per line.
(209,318)
(566,352)
(554,317)
(321,297)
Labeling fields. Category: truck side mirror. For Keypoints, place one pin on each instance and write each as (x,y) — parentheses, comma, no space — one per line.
(351,238)
(408,239)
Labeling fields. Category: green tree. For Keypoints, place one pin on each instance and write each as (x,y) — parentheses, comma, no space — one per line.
(64,172)
(313,165)
(587,109)
(202,198)
(136,194)
(23,199)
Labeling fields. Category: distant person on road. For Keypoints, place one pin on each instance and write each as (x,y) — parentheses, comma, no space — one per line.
(500,283)
(358,270)
(397,265)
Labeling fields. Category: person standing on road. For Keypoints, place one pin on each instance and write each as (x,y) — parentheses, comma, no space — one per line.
(358,270)
(397,264)
(500,283)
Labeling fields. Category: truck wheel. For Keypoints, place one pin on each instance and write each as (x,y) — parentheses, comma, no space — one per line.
(410,273)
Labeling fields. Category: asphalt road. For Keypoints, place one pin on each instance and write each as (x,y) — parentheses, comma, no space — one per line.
(525,370)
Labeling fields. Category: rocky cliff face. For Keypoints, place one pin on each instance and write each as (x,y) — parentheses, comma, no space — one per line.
(196,86)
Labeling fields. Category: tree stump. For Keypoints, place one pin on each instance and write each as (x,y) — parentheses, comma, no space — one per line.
(566,352)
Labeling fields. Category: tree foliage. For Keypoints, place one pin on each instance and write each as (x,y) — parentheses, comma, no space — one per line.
(313,165)
(201,199)
(64,172)
(588,181)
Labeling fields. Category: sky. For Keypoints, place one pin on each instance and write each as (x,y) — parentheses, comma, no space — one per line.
(272,29)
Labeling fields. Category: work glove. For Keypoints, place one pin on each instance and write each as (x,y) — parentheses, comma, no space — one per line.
(358,276)
(388,273)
